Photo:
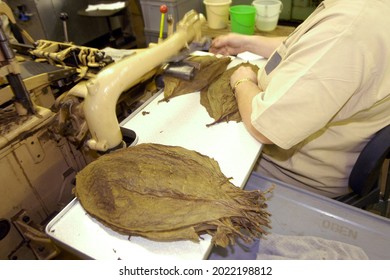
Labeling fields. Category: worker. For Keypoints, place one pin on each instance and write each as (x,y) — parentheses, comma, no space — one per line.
(322,94)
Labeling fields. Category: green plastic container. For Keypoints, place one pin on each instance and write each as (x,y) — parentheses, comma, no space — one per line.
(242,19)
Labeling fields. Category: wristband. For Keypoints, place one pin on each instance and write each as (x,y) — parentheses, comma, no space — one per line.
(239,82)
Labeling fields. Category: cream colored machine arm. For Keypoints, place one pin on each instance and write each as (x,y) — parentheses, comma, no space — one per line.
(101,93)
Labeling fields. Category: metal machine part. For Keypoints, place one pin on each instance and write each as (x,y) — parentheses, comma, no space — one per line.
(34,237)
(43,81)
(180,70)
(178,65)
(23,100)
(67,54)
(64,17)
(38,173)
(38,166)
(102,92)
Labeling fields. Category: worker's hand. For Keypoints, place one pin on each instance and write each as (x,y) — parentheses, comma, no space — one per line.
(243,72)
(233,44)
(230,44)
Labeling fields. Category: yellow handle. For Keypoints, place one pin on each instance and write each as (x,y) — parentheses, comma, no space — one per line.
(162,25)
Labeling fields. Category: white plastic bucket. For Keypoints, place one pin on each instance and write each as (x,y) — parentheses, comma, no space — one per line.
(267,14)
(217,13)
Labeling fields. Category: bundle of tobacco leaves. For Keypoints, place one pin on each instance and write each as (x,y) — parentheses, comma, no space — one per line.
(218,97)
(168,193)
(207,67)
(213,81)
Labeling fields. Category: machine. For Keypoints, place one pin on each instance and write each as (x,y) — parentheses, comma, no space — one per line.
(37,165)
(59,108)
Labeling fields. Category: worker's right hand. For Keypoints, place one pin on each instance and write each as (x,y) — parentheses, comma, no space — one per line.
(230,44)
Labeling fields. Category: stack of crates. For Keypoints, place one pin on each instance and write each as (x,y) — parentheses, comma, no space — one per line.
(176,8)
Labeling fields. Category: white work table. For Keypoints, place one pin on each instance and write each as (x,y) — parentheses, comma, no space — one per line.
(181,122)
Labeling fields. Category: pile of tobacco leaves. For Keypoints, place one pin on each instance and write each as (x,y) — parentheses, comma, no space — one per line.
(169,193)
(212,79)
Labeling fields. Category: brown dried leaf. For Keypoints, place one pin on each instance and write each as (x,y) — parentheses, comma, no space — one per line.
(169,193)
(218,97)
(211,67)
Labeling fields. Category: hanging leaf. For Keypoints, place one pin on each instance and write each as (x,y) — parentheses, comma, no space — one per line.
(219,100)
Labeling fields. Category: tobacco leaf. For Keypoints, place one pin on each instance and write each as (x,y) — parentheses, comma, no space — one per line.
(169,193)
(218,97)
(210,67)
